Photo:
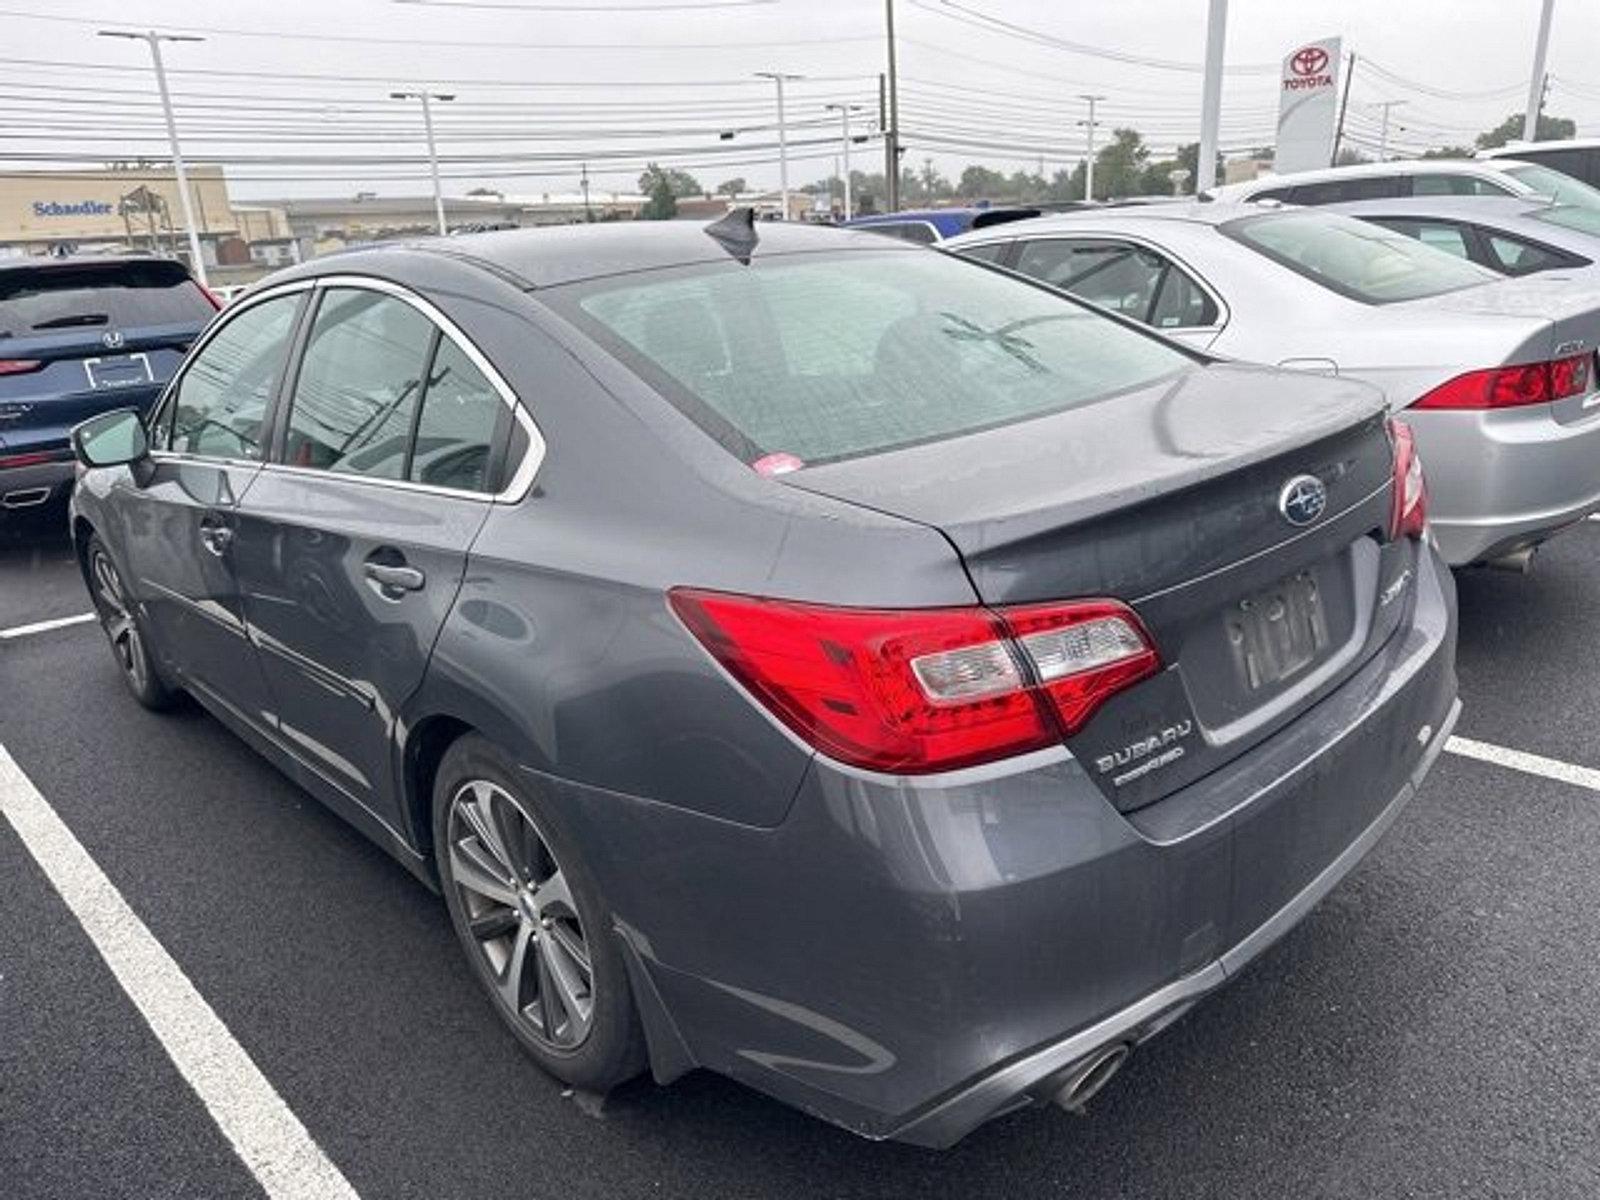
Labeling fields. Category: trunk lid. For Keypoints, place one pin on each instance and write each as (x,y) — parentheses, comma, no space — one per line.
(1564,307)
(1168,498)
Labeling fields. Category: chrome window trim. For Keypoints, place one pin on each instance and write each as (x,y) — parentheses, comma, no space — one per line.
(521,480)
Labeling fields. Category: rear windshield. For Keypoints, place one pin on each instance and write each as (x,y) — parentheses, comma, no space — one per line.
(1568,216)
(830,356)
(1354,258)
(1558,185)
(36,300)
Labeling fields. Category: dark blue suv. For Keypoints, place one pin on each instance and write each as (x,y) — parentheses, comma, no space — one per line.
(79,337)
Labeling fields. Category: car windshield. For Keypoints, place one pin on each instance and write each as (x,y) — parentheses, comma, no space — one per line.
(1365,262)
(1562,188)
(36,300)
(1570,216)
(820,357)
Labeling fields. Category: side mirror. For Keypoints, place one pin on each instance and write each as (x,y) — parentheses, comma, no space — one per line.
(111,439)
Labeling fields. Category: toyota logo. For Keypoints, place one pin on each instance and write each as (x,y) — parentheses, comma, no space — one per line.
(1309,61)
(1303,499)
(112,339)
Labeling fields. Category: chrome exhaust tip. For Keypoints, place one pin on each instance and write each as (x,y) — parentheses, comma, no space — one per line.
(1084,1082)
(1519,562)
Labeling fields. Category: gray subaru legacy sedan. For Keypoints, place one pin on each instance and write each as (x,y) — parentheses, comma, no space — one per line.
(858,671)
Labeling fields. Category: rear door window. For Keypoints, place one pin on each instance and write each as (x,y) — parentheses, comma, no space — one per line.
(456,430)
(221,399)
(116,295)
(1441,235)
(1456,185)
(1129,279)
(358,386)
(1337,191)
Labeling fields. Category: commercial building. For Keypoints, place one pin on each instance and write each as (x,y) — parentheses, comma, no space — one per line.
(137,208)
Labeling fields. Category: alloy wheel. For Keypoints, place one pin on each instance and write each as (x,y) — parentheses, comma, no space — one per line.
(116,618)
(519,909)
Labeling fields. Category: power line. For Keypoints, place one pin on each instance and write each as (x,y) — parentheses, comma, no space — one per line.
(430,42)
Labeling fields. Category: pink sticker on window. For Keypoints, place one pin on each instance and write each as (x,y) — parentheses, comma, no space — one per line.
(777,464)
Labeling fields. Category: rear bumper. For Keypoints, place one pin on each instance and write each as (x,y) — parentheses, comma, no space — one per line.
(1505,480)
(34,486)
(909,958)
(1011,1086)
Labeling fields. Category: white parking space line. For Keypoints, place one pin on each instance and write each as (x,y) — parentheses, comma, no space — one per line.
(268,1137)
(19,631)
(1521,760)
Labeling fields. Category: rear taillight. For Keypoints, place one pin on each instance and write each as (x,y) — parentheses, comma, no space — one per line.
(919,690)
(1409,514)
(19,366)
(1512,387)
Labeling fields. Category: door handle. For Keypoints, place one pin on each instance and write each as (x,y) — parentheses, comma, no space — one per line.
(395,579)
(216,538)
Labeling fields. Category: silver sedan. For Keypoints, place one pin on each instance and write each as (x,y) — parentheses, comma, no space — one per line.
(1496,376)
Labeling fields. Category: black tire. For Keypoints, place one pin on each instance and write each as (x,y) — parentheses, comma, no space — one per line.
(476,778)
(130,647)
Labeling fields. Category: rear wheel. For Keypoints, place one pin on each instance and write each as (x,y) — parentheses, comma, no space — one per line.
(121,625)
(531,922)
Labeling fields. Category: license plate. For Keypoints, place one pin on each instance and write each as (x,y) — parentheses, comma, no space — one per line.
(1278,632)
(118,371)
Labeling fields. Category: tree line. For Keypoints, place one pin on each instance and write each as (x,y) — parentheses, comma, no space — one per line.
(1124,166)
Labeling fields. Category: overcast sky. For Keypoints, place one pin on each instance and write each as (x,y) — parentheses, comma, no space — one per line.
(288,92)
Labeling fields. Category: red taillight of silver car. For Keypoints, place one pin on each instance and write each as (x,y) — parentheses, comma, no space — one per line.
(1514,386)
(1409,515)
(921,690)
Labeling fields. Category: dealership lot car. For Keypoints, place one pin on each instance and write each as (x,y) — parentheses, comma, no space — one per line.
(1496,375)
(1415,177)
(80,337)
(873,677)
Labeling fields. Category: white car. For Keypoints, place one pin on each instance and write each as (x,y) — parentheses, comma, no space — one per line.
(1415,177)
(1578,157)
(1497,376)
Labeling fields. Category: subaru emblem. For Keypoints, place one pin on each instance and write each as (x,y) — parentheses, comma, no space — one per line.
(1303,499)
(112,339)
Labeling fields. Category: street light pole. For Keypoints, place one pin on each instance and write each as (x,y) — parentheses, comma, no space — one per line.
(1088,162)
(433,155)
(844,120)
(1541,47)
(153,39)
(1383,136)
(891,131)
(779,78)
(1205,164)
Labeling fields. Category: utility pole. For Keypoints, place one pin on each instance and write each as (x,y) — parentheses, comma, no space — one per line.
(1088,161)
(1541,47)
(1205,163)
(844,120)
(779,78)
(583,182)
(891,133)
(433,155)
(153,39)
(1383,137)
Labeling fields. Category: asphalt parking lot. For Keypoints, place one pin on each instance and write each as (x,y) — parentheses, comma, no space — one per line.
(1431,1030)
